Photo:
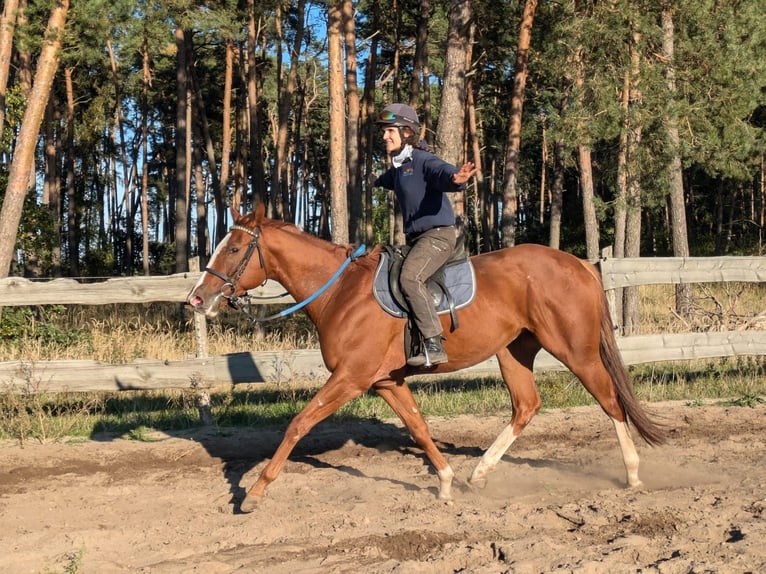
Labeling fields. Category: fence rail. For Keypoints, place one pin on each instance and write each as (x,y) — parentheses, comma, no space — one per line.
(307,365)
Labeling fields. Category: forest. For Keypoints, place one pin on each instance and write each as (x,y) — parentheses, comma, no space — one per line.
(130,129)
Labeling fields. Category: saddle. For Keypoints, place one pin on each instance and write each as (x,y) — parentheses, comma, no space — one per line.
(452,287)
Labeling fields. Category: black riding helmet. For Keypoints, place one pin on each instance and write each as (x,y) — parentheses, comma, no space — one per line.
(401,116)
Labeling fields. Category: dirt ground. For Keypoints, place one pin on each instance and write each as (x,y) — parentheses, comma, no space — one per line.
(360,497)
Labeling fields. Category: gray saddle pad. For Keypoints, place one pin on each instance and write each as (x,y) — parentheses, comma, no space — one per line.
(459,279)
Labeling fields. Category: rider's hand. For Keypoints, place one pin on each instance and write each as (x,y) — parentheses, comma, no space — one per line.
(466,172)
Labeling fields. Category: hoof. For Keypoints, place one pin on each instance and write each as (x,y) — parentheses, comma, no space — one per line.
(248,504)
(479,483)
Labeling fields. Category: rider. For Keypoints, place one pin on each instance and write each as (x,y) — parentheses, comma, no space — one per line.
(420,180)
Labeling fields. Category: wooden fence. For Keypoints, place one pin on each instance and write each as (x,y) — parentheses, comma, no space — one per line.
(306,365)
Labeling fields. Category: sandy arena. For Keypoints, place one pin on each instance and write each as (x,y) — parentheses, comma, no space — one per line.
(360,497)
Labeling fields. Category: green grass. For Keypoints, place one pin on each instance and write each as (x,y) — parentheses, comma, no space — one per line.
(133,414)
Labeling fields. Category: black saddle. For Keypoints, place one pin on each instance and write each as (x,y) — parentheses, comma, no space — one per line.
(453,286)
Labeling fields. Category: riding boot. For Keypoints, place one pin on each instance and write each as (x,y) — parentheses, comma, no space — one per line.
(431,353)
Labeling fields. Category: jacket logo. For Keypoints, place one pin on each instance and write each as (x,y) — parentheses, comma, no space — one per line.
(407,172)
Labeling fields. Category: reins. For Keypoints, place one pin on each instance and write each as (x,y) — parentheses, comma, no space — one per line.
(244,303)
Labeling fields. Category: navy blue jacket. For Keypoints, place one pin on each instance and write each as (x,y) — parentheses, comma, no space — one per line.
(420,185)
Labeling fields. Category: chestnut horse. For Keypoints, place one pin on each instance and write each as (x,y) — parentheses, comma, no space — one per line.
(528,297)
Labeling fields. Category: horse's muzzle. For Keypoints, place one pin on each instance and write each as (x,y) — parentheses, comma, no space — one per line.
(210,310)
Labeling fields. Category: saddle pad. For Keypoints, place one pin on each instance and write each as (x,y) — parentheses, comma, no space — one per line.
(459,279)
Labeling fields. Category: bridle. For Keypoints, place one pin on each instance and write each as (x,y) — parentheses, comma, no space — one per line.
(244,303)
(230,283)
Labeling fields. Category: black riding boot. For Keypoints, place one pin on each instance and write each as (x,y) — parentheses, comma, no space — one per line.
(431,353)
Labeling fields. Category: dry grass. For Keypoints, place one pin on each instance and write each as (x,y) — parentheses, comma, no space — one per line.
(123,333)
(715,307)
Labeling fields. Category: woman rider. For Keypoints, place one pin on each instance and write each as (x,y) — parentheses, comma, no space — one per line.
(420,181)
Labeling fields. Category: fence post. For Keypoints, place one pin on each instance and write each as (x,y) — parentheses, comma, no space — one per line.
(604,264)
(200,334)
(200,323)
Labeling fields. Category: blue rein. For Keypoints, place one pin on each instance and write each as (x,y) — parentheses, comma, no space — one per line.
(298,306)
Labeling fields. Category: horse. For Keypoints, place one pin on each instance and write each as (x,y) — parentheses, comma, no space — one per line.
(528,297)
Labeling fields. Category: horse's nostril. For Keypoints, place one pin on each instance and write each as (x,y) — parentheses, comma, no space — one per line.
(195,301)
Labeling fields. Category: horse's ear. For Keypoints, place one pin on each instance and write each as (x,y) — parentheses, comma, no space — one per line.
(260,212)
(236,202)
(234,213)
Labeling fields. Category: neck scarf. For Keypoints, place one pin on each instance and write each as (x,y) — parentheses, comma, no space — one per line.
(403,156)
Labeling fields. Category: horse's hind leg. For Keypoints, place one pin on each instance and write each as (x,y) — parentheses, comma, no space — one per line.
(586,364)
(629,453)
(400,399)
(516,368)
(599,383)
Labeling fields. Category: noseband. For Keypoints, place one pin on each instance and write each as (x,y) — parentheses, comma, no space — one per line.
(229,283)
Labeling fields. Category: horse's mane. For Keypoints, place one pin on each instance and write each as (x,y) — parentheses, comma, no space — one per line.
(369,259)
(344,249)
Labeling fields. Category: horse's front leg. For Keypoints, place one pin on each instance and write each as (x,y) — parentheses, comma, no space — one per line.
(336,392)
(400,399)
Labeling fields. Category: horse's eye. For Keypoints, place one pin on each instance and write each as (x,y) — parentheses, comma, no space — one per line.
(234,250)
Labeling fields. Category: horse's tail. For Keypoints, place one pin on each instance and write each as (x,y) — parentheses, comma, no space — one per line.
(648,429)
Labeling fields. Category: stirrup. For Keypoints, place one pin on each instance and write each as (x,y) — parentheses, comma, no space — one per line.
(418,360)
(431,353)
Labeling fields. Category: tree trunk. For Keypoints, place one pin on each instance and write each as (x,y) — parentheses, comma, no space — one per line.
(286,94)
(241,130)
(23,158)
(621,195)
(203,236)
(114,207)
(354,188)
(513,142)
(23,56)
(146,80)
(481,223)
(620,204)
(557,194)
(337,172)
(223,182)
(253,106)
(73,232)
(7,27)
(587,190)
(451,129)
(633,215)
(303,136)
(719,223)
(205,138)
(396,223)
(630,313)
(368,126)
(280,126)
(396,56)
(418,77)
(52,184)
(588,202)
(181,139)
(677,203)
